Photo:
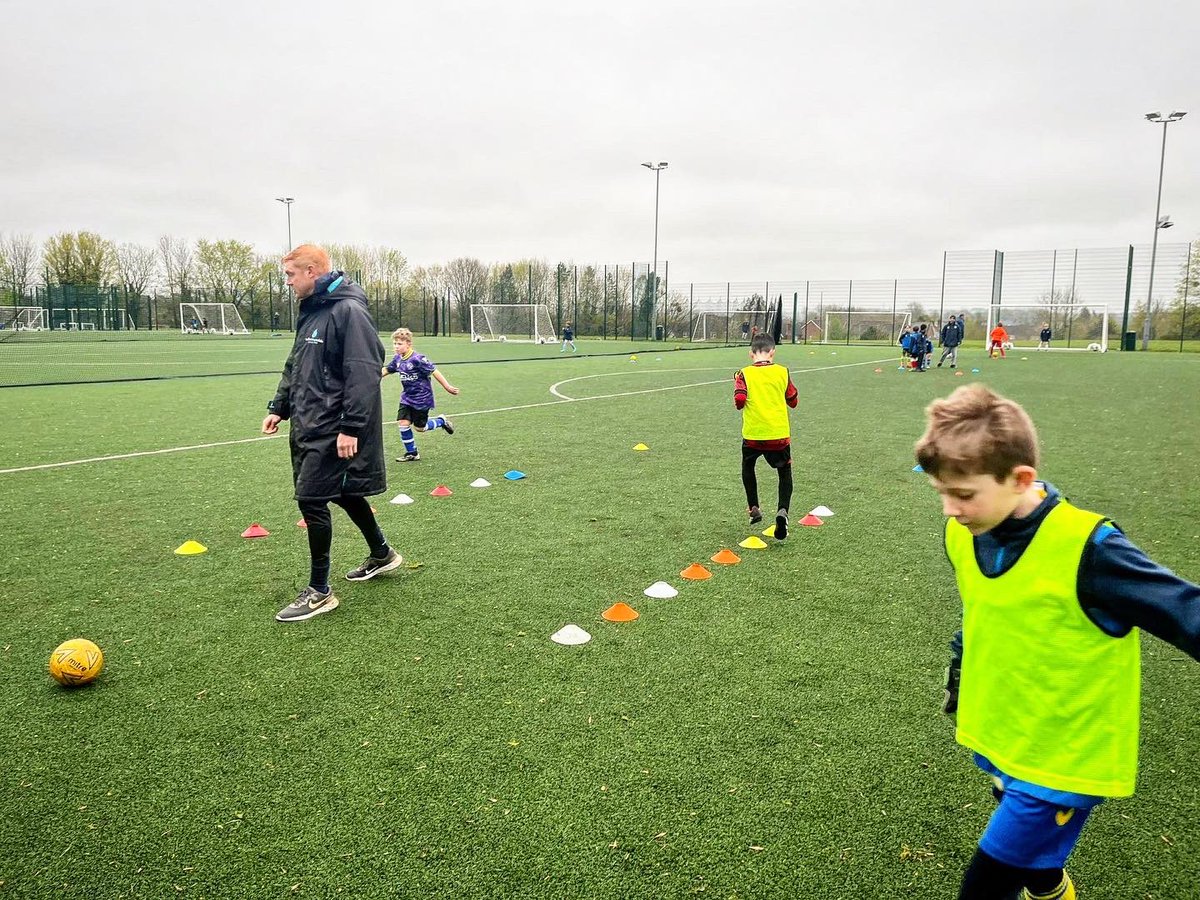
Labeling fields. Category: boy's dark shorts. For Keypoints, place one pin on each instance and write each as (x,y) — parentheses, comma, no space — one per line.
(776,459)
(419,417)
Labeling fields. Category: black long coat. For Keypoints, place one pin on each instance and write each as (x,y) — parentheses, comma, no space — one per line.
(330,385)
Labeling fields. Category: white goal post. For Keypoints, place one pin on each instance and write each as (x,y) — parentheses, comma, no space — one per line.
(1073,326)
(210,318)
(864,326)
(709,327)
(527,322)
(23,318)
(736,327)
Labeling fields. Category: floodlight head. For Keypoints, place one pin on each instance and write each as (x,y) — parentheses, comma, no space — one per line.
(662,165)
(286,199)
(648,165)
(1165,222)
(1153,116)
(1177,115)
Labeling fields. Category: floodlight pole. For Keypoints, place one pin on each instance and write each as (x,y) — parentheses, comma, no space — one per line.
(1158,222)
(656,168)
(288,201)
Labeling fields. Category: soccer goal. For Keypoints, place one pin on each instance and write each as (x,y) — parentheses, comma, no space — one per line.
(738,327)
(1073,326)
(210,318)
(710,327)
(23,318)
(863,326)
(527,322)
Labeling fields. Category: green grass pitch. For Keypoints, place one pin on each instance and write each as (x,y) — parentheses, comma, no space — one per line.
(771,732)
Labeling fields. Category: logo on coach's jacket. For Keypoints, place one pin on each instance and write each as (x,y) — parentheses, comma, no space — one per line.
(313,339)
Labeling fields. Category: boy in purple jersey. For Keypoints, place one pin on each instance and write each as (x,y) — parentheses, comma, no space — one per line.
(416,395)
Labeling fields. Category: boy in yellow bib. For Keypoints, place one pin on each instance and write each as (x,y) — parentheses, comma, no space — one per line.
(764,392)
(1047,674)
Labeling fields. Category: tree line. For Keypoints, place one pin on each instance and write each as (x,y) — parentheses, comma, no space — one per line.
(149,282)
(435,299)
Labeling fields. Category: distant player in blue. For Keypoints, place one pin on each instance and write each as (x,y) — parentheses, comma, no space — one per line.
(1046,671)
(1044,337)
(416,395)
(568,337)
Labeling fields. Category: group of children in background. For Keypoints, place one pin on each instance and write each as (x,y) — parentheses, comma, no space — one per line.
(916,344)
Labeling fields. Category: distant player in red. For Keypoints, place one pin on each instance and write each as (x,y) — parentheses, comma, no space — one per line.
(998,338)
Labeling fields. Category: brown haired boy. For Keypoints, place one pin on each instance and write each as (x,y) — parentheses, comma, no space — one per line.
(1047,676)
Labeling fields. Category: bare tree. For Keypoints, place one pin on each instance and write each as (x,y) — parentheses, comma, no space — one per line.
(18,263)
(178,264)
(467,279)
(137,267)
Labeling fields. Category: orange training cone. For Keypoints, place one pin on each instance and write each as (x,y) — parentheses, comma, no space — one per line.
(620,612)
(254,531)
(695,572)
(302,523)
(811,521)
(725,557)
(441,491)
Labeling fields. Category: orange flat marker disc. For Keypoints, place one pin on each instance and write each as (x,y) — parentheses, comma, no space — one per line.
(620,612)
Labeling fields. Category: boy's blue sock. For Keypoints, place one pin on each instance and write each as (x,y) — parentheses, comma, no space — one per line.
(406,435)
(435,423)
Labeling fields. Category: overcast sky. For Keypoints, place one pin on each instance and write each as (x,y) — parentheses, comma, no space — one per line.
(805,140)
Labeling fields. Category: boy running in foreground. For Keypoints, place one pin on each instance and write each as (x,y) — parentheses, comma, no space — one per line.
(1047,680)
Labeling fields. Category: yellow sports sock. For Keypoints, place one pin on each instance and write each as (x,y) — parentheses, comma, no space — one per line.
(1064,891)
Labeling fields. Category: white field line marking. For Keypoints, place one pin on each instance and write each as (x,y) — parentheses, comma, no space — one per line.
(478,412)
(95,459)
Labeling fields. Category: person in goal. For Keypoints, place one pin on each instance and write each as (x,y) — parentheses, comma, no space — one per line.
(568,335)
(416,394)
(998,340)
(1044,337)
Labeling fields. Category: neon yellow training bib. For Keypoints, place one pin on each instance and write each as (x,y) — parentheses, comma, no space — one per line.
(765,415)
(1045,695)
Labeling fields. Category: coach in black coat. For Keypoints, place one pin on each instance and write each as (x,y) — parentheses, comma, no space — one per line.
(330,388)
(330,393)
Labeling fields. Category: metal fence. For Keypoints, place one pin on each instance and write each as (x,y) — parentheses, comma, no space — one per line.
(629,302)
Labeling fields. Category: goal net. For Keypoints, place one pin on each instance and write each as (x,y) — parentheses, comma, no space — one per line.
(210,318)
(738,327)
(709,327)
(863,326)
(1076,326)
(23,318)
(528,322)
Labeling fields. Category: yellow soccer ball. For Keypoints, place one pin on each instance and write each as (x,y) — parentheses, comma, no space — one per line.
(75,662)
